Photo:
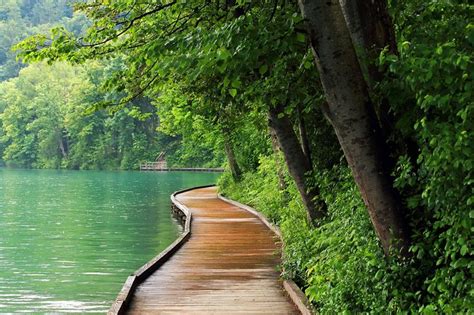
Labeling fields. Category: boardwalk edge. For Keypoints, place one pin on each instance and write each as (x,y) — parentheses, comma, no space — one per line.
(293,291)
(126,293)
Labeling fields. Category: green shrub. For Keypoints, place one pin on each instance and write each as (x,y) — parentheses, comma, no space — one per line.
(339,264)
(430,91)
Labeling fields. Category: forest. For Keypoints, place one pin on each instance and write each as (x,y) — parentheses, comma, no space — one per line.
(47,114)
(348,123)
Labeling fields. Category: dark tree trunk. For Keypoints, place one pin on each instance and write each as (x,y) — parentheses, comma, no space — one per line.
(229,151)
(238,10)
(297,163)
(350,112)
(63,145)
(371,31)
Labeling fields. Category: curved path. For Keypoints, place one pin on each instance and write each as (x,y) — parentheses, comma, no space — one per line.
(228,266)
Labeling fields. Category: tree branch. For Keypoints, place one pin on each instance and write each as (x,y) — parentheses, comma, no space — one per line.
(131,23)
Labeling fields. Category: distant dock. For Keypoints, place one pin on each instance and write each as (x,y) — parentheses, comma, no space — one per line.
(161,166)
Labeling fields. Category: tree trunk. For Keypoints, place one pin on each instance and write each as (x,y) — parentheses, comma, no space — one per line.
(304,137)
(297,163)
(350,112)
(371,31)
(277,152)
(63,147)
(229,151)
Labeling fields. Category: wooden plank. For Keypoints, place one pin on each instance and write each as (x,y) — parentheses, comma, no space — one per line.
(228,264)
(207,311)
(298,297)
(190,309)
(159,260)
(294,292)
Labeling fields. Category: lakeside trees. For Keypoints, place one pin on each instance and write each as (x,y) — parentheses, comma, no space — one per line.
(22,18)
(229,71)
(351,112)
(44,125)
(43,109)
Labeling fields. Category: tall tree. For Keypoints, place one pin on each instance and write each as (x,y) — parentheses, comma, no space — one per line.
(298,164)
(350,111)
(371,31)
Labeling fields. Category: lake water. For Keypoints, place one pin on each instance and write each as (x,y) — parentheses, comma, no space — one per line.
(69,239)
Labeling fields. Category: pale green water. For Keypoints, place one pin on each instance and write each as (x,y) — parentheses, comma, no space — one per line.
(69,239)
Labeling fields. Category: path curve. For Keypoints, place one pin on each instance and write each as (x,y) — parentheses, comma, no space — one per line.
(228,266)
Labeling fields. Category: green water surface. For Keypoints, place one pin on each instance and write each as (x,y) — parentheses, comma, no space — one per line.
(69,239)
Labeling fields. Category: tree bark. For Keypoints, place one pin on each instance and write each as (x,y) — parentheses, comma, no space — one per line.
(371,30)
(277,152)
(62,148)
(229,151)
(304,137)
(350,112)
(297,163)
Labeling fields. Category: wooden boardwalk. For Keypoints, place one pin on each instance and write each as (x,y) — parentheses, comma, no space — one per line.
(228,266)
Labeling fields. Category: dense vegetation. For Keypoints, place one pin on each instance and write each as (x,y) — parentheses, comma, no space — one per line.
(46,112)
(348,123)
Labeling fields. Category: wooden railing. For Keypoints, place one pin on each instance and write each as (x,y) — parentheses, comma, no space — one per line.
(154,166)
(162,167)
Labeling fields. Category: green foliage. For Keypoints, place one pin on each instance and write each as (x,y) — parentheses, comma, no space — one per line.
(430,89)
(345,253)
(22,18)
(339,263)
(118,137)
(44,126)
(267,198)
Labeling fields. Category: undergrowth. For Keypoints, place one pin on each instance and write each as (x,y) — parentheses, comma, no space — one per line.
(339,264)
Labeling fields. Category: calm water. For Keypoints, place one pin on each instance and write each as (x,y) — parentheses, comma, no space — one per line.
(69,239)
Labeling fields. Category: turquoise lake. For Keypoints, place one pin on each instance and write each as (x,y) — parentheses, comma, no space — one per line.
(69,239)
